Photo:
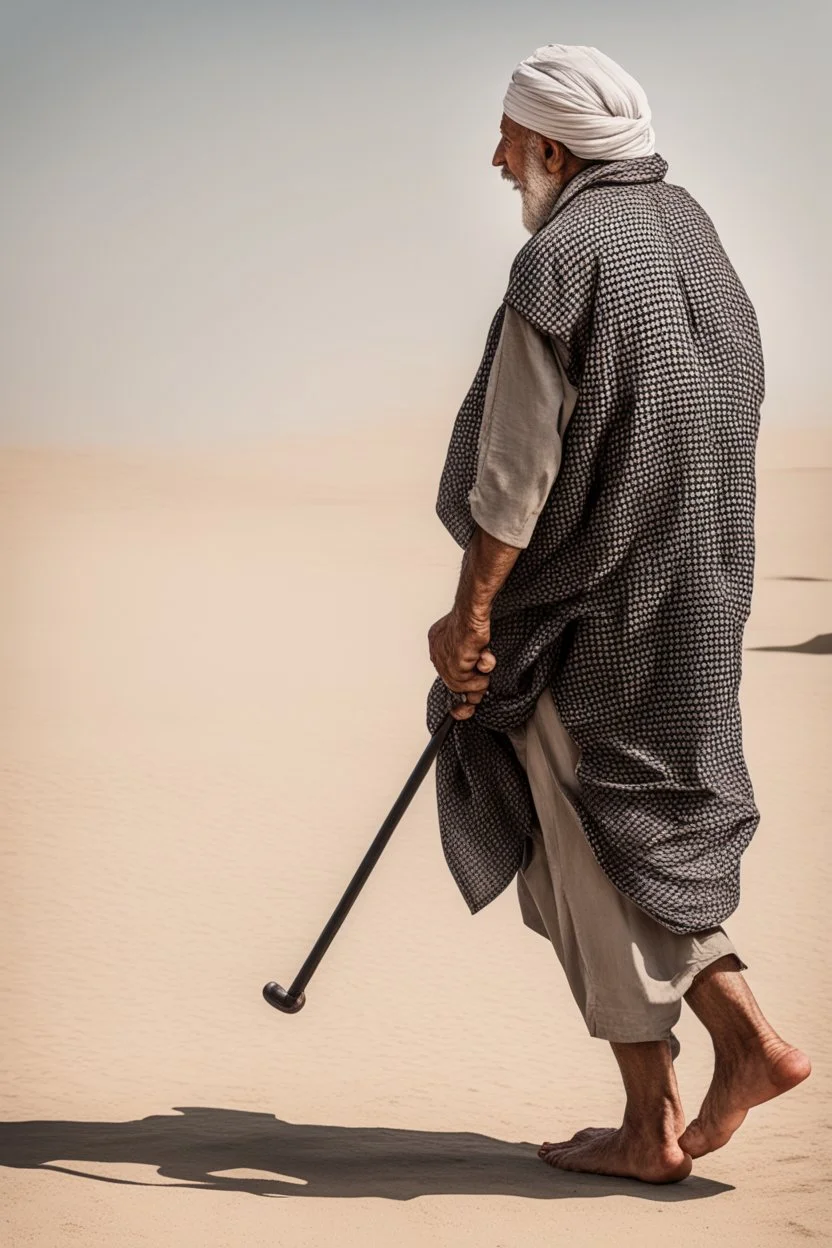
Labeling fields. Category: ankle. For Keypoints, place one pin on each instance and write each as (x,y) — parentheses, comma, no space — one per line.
(727,1008)
(747,1044)
(657,1120)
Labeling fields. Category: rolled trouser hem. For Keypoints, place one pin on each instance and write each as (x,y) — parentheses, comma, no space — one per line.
(654,1022)
(671,1038)
(683,981)
(618,1028)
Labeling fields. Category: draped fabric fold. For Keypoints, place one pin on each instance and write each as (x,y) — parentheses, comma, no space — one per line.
(631,598)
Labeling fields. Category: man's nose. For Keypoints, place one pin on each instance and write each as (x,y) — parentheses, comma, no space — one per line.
(498,159)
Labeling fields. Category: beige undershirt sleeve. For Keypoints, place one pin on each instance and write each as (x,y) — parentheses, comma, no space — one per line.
(528,403)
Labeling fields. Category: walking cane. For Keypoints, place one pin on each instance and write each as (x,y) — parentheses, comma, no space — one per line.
(294,998)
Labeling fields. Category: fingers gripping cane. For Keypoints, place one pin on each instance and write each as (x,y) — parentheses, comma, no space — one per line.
(292,999)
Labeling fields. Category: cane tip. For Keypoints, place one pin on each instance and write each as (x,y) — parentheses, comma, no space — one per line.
(282,1000)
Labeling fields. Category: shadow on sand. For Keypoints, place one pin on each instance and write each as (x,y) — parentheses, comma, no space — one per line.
(821,644)
(193,1146)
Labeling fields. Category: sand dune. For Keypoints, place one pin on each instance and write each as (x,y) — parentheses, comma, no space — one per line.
(213,684)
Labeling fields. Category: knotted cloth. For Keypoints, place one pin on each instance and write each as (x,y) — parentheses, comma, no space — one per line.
(631,598)
(583,99)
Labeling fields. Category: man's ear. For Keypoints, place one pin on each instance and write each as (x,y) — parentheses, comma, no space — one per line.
(554,154)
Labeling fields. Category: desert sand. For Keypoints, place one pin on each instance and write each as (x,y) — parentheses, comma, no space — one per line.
(214,670)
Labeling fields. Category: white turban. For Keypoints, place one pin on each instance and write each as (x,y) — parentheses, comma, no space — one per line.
(583,99)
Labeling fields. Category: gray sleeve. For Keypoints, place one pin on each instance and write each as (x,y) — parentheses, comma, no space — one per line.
(528,403)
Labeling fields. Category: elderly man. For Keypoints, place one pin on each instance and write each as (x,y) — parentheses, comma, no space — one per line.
(600,478)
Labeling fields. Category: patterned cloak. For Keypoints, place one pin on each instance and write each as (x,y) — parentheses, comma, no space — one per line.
(631,598)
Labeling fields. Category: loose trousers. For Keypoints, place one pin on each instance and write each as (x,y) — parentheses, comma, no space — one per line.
(626,971)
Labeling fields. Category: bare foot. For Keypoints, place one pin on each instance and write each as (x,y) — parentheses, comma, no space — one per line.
(620,1151)
(758,1074)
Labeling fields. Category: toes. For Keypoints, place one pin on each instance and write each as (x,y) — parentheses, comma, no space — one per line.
(568,1158)
(549,1151)
(554,1156)
(692,1140)
(546,1149)
(583,1134)
(552,1148)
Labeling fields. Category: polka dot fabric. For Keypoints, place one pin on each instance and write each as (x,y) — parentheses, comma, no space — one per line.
(631,598)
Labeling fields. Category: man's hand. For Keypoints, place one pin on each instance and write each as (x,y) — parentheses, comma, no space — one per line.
(458,641)
(457,651)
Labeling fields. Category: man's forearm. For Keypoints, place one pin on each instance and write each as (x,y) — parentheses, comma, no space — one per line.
(485,567)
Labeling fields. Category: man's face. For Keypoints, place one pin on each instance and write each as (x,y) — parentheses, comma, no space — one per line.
(520,157)
(511,151)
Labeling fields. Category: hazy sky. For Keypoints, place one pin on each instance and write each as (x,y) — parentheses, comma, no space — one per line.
(222,221)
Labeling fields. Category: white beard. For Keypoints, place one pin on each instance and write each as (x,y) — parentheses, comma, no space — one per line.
(539,191)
